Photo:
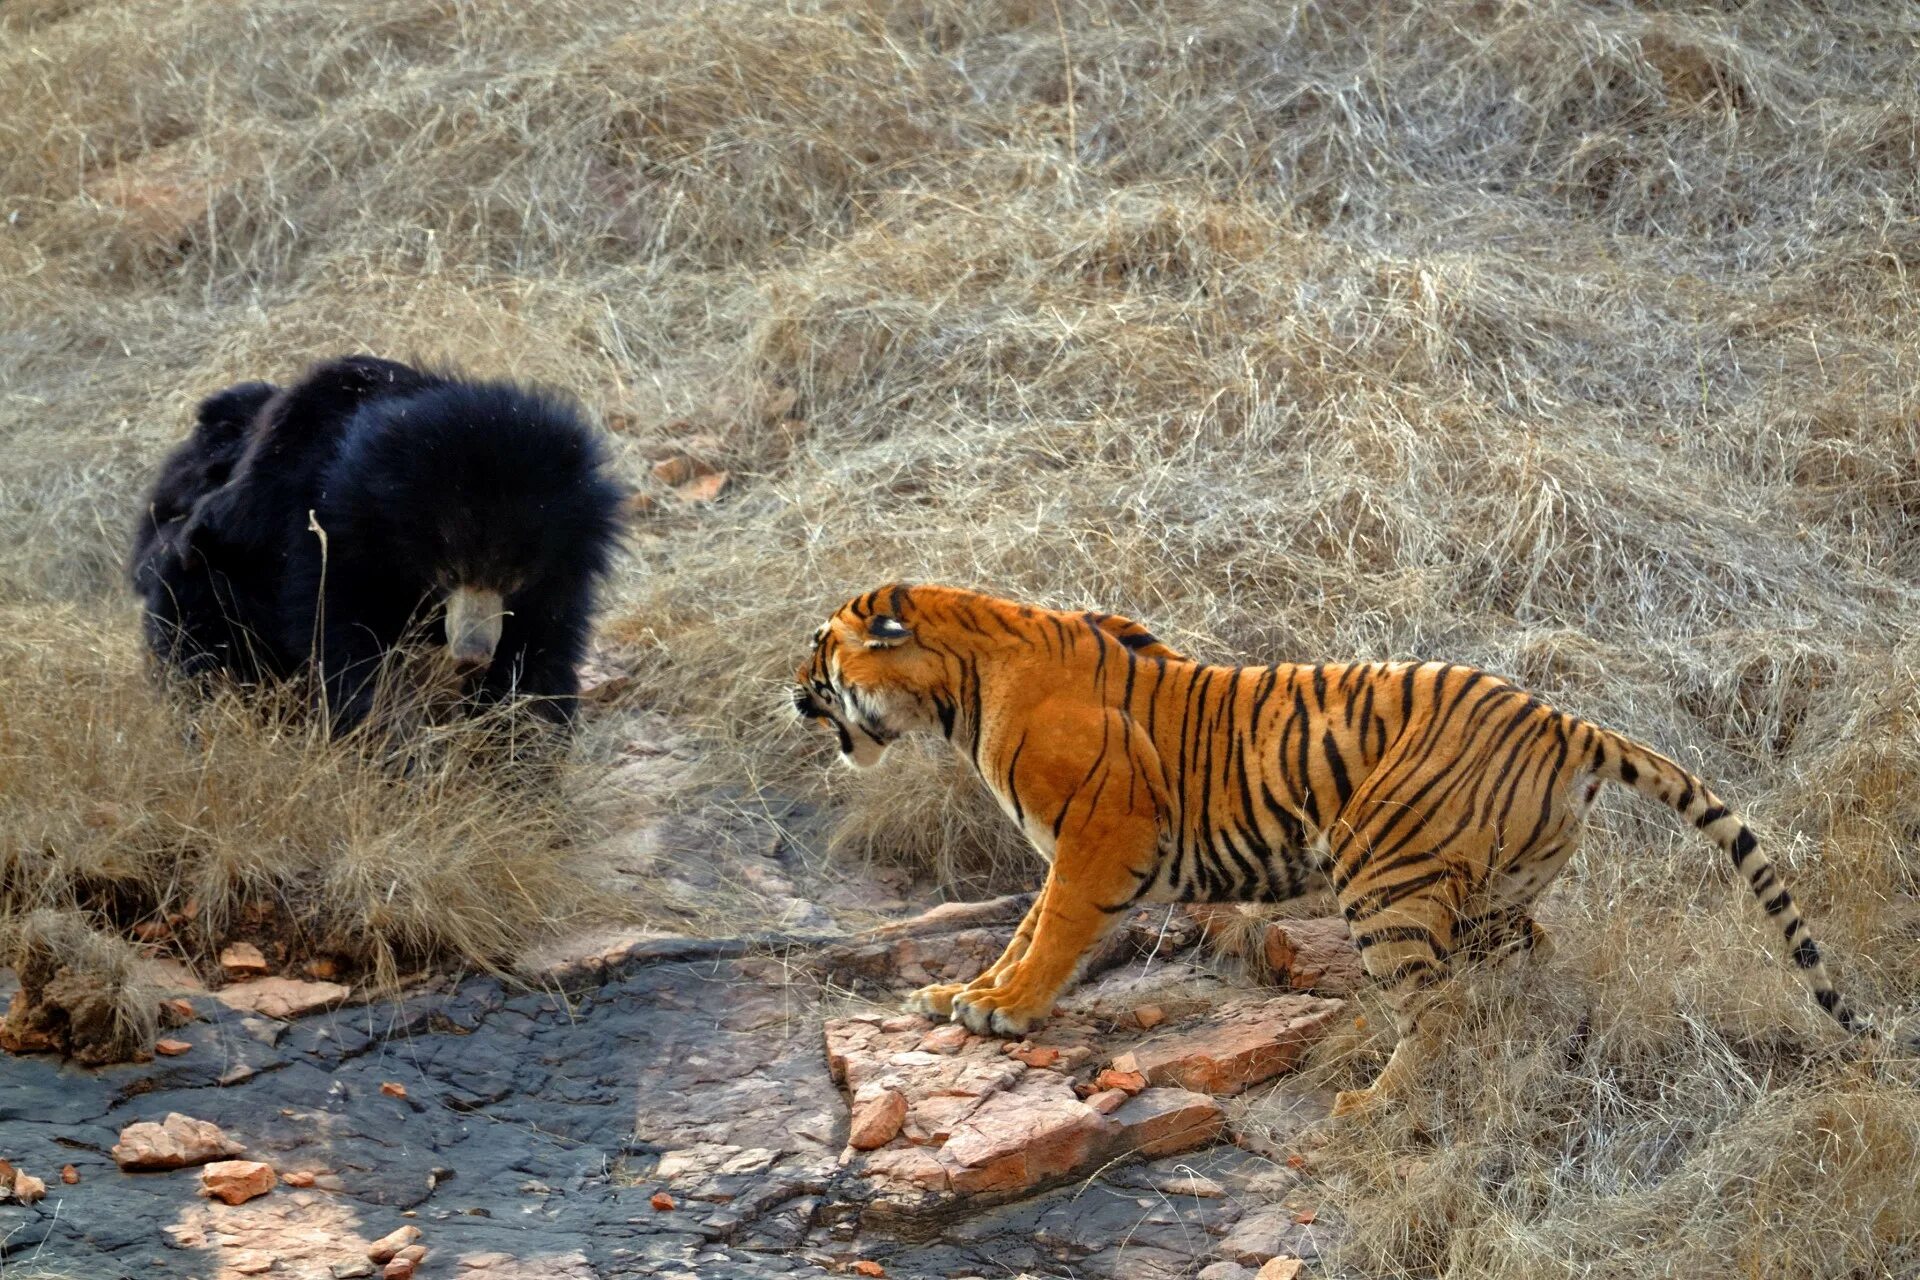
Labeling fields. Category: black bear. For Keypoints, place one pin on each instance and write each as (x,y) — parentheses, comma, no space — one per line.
(314,528)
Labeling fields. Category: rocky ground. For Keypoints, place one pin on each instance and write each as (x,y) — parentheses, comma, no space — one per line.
(679,1106)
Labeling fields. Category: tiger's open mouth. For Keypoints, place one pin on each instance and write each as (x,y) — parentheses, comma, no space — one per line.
(861,743)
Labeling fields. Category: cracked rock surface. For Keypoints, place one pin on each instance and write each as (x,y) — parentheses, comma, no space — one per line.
(534,1133)
(667,1106)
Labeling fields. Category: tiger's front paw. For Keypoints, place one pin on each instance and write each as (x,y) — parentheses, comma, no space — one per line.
(935,1001)
(994,1013)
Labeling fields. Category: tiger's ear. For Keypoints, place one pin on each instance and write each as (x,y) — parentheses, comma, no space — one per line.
(887,632)
(1136,637)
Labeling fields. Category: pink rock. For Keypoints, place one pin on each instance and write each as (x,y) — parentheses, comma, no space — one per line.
(877,1119)
(1222,1058)
(1035,1131)
(281,997)
(387,1247)
(243,960)
(948,1039)
(1165,1122)
(1108,1101)
(1314,955)
(236,1181)
(1125,1079)
(176,1142)
(908,1168)
(1258,1236)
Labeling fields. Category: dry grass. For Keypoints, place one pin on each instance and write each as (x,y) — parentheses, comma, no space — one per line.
(1574,338)
(229,821)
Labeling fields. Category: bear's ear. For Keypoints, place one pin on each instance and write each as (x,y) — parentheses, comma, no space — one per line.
(884,631)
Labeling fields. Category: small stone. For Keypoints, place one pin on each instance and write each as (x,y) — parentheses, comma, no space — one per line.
(1108,1101)
(298,1178)
(1305,1217)
(176,1012)
(393,1089)
(152,931)
(1045,1056)
(243,960)
(1279,1269)
(1225,1271)
(675,470)
(354,1270)
(877,1119)
(236,1181)
(1258,1235)
(399,1269)
(321,967)
(1149,1016)
(1196,1185)
(948,1039)
(386,1247)
(175,1143)
(69,1175)
(662,1201)
(702,489)
(28,1189)
(905,1022)
(1126,1081)
(865,1267)
(414,1253)
(171,1048)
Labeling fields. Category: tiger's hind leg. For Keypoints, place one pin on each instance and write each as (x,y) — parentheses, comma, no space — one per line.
(1407,948)
(1503,934)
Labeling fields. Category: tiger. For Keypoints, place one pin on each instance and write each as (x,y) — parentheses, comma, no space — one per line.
(1435,800)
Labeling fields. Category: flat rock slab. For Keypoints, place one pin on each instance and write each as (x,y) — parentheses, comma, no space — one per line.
(1243,1043)
(539,1129)
(281,997)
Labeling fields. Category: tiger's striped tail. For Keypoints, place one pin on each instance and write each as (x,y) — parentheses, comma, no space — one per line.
(1621,759)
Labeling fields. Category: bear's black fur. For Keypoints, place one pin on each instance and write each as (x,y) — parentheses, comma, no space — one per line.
(312,529)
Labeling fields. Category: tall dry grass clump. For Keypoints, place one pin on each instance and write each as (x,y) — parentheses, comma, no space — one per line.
(228,821)
(1569,337)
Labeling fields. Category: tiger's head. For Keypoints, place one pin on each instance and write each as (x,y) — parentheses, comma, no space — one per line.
(868,679)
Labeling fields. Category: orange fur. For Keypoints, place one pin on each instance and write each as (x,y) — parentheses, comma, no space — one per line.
(1438,801)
